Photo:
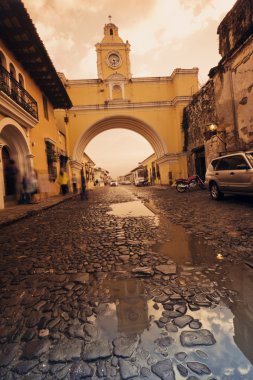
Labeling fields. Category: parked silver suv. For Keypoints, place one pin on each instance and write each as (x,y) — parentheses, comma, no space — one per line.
(231,174)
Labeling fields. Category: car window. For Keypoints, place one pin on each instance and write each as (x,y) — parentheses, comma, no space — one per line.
(250,157)
(213,164)
(223,164)
(232,162)
(235,161)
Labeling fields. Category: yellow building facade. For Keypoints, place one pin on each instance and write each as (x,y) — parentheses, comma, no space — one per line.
(30,90)
(47,120)
(150,106)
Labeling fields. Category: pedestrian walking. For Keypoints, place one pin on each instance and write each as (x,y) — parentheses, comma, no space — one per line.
(83,186)
(29,188)
(32,185)
(63,181)
(74,183)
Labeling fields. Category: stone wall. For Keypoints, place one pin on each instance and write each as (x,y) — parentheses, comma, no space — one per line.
(200,113)
(233,83)
(227,98)
(236,27)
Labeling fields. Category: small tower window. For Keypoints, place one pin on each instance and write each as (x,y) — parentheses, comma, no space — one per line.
(116,92)
(111,32)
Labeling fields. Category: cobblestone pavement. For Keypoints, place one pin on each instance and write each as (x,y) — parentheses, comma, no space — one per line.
(85,295)
(227,224)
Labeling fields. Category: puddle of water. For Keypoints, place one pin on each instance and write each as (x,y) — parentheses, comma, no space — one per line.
(239,280)
(183,247)
(130,312)
(127,311)
(130,209)
(179,246)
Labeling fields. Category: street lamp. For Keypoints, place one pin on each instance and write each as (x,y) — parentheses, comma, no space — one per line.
(213,131)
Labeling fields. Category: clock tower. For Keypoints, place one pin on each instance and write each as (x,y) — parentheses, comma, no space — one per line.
(113,55)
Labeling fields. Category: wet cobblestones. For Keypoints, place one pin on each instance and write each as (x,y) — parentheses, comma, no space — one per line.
(226,225)
(83,294)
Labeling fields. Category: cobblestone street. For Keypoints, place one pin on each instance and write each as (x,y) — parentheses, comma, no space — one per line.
(104,288)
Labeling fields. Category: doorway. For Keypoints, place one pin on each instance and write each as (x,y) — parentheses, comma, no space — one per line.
(10,173)
(200,161)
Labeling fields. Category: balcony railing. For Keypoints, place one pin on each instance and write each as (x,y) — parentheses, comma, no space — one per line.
(15,91)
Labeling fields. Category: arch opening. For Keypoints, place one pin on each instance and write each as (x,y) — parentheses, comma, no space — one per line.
(122,122)
(118,151)
(14,148)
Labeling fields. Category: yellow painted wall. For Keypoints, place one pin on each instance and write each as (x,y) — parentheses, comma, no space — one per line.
(164,119)
(138,90)
(44,128)
(155,101)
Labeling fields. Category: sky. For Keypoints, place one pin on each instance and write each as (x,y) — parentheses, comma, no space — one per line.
(163,34)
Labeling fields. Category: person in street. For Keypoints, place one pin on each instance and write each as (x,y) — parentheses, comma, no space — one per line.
(74,183)
(29,188)
(63,181)
(32,186)
(83,186)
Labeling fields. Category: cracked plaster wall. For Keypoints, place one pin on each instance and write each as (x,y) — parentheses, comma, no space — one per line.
(200,113)
(234,98)
(227,98)
(236,27)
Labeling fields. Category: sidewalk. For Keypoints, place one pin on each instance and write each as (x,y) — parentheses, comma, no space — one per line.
(14,213)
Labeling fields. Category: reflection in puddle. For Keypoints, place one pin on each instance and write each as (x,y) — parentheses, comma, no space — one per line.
(130,209)
(130,312)
(183,247)
(229,317)
(128,307)
(240,280)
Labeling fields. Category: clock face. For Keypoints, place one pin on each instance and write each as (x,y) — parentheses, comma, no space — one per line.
(114,60)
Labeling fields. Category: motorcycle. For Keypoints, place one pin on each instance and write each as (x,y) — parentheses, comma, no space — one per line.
(194,181)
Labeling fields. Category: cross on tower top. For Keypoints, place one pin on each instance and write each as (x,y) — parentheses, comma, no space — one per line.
(110,18)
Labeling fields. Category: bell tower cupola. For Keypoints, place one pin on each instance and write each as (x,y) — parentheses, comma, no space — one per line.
(112,54)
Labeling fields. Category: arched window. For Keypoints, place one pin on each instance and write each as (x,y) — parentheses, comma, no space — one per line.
(111,32)
(21,80)
(14,87)
(21,88)
(2,60)
(116,92)
(3,73)
(12,71)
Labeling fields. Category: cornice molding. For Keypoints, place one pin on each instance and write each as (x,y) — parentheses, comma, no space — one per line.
(82,82)
(119,104)
(170,157)
(75,165)
(11,109)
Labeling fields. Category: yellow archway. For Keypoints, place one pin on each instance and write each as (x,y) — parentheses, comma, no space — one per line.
(13,136)
(124,122)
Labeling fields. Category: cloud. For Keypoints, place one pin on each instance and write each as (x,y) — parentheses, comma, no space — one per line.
(244,370)
(163,35)
(71,28)
(196,5)
(198,49)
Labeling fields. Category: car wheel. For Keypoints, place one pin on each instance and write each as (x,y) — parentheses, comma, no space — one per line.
(215,192)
